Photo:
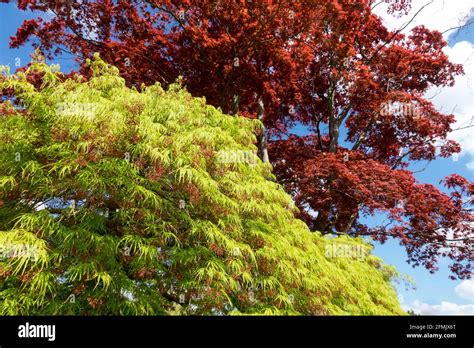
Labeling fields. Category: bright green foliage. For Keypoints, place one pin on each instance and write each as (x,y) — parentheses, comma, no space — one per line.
(120,201)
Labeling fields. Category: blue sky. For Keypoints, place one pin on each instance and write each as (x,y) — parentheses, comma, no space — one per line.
(434,293)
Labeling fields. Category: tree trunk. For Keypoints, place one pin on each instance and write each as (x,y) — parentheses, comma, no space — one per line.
(334,135)
(262,138)
(235,104)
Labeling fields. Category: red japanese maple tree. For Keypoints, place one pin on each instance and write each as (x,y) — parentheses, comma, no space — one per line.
(330,67)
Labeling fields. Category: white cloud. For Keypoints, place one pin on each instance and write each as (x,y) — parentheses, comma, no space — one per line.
(440,14)
(459,100)
(445,308)
(465,290)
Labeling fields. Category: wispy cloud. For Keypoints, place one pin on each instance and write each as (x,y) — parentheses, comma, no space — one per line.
(444,308)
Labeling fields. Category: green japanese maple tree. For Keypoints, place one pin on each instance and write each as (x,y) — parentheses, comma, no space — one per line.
(115,200)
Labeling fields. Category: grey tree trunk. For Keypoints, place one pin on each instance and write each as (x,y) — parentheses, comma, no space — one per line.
(262,139)
(235,104)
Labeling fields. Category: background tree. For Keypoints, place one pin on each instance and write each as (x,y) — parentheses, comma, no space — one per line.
(120,201)
(329,66)
(363,105)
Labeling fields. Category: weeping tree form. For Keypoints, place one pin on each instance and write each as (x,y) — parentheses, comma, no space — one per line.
(123,201)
